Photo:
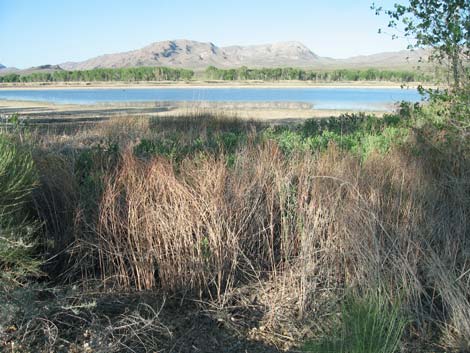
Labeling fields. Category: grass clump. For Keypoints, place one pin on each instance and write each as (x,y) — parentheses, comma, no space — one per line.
(369,324)
(18,177)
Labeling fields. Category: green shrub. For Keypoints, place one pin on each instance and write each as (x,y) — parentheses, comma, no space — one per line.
(322,140)
(289,141)
(177,146)
(90,167)
(17,180)
(382,143)
(367,325)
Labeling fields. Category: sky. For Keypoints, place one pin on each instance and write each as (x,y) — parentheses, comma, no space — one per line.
(38,32)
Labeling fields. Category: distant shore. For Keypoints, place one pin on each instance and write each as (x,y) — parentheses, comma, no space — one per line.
(208,84)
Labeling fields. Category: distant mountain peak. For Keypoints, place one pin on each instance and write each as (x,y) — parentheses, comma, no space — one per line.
(2,66)
(47,67)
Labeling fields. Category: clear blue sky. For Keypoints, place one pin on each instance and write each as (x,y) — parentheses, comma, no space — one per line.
(35,32)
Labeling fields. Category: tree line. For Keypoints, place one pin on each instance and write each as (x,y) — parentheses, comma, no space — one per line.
(119,74)
(214,73)
(290,73)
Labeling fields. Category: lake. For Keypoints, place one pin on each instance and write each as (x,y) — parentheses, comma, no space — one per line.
(319,97)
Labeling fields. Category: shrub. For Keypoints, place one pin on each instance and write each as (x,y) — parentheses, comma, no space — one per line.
(390,136)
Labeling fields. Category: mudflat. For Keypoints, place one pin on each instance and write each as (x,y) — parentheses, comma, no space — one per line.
(45,112)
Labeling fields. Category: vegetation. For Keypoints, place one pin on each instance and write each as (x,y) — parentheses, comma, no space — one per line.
(369,324)
(289,73)
(18,177)
(215,208)
(17,180)
(213,73)
(443,25)
(121,74)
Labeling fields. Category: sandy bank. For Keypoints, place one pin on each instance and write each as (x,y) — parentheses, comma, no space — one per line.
(208,84)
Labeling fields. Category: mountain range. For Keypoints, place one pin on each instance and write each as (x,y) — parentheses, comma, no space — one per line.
(199,55)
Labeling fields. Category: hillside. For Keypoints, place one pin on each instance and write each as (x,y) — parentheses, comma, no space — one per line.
(199,55)
(386,60)
(192,54)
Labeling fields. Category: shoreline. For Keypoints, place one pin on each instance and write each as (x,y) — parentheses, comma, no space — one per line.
(70,112)
(204,105)
(210,84)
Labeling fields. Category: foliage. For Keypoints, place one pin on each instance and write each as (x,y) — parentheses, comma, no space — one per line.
(179,137)
(290,73)
(213,73)
(90,166)
(176,148)
(360,134)
(120,74)
(443,25)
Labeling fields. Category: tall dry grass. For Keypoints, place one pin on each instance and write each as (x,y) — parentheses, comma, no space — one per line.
(309,223)
(297,229)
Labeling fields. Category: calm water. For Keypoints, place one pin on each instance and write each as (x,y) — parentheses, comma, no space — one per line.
(321,98)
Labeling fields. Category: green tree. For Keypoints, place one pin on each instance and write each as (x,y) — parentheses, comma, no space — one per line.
(443,25)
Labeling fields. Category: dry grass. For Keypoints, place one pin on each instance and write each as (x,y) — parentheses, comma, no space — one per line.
(302,228)
(271,238)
